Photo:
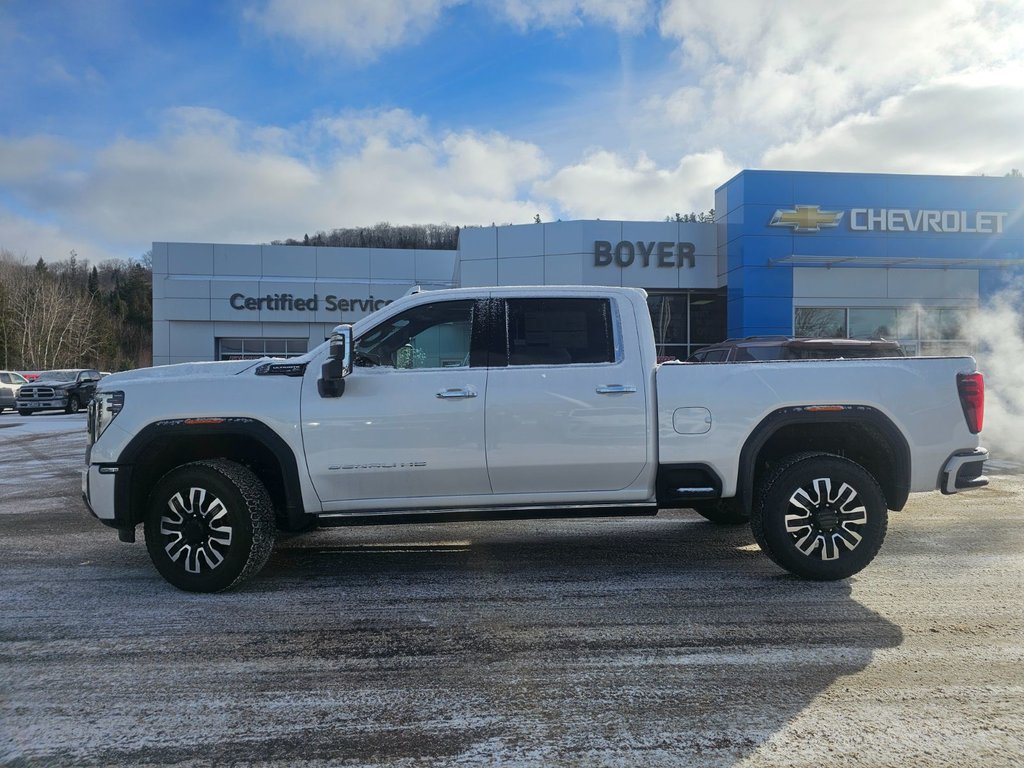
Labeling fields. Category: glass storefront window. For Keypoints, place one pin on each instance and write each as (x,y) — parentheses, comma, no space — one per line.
(821,322)
(873,323)
(919,330)
(253,349)
(685,321)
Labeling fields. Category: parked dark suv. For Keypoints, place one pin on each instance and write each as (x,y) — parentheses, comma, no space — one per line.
(793,348)
(69,390)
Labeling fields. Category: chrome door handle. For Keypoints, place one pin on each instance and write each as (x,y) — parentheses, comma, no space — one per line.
(615,389)
(455,393)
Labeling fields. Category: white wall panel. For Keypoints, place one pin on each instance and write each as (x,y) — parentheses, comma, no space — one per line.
(191,341)
(933,283)
(435,266)
(392,264)
(520,240)
(161,339)
(181,309)
(564,269)
(839,282)
(342,291)
(220,299)
(237,259)
(343,262)
(190,258)
(297,290)
(285,330)
(288,261)
(481,272)
(478,243)
(159,258)
(523,271)
(227,329)
(562,237)
(650,230)
(185,288)
(704,273)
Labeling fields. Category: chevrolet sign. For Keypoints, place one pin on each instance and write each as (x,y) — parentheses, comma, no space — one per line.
(810,218)
(906,220)
(806,218)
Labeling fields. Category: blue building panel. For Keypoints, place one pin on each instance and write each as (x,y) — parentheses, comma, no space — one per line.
(845,220)
(831,190)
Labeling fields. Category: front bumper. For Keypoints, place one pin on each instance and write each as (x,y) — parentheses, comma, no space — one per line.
(963,471)
(98,483)
(48,403)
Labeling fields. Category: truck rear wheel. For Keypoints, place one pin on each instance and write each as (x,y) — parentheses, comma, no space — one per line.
(209,525)
(820,516)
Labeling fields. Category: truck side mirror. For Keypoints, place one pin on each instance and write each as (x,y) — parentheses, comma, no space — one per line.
(338,364)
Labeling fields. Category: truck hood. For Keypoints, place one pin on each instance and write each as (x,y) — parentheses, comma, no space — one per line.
(50,383)
(188,371)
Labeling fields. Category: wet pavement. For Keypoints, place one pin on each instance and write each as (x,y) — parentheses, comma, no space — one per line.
(644,641)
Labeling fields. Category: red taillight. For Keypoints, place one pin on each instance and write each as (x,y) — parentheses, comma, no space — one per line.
(972,397)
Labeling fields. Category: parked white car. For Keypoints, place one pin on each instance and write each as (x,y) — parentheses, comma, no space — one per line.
(10,383)
(508,402)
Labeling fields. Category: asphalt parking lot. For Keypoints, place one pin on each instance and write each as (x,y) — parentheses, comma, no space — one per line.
(650,641)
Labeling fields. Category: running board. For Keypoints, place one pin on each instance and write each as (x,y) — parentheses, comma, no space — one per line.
(483,514)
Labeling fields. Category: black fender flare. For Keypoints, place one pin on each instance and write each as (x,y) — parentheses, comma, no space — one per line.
(126,497)
(897,491)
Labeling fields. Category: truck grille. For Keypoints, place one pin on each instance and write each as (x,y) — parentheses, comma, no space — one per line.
(37,393)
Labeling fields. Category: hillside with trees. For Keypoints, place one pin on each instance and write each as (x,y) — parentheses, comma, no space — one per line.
(441,237)
(68,314)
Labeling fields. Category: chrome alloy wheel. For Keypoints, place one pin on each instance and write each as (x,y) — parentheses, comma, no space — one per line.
(822,521)
(196,529)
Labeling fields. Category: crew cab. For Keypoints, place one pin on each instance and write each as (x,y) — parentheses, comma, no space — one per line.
(68,390)
(494,403)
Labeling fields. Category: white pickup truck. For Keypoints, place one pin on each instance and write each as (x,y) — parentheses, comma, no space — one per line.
(521,402)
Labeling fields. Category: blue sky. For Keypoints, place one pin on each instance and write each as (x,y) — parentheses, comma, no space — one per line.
(125,122)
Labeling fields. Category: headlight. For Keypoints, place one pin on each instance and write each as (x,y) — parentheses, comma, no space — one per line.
(103,409)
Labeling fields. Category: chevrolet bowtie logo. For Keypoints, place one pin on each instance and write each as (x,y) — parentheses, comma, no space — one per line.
(806,218)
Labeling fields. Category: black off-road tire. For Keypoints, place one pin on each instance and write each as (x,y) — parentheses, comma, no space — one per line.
(820,516)
(722,511)
(25,411)
(74,405)
(209,525)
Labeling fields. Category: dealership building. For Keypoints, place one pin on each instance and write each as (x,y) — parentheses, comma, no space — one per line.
(793,253)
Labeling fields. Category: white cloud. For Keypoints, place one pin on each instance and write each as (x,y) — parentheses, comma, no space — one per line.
(27,159)
(29,240)
(622,15)
(212,177)
(363,29)
(360,29)
(768,71)
(605,185)
(962,125)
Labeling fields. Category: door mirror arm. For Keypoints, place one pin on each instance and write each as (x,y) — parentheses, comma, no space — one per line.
(338,364)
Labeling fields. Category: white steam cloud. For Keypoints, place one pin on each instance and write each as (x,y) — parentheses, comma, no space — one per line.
(999,330)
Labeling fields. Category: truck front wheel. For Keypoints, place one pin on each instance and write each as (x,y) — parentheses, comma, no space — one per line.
(209,525)
(820,516)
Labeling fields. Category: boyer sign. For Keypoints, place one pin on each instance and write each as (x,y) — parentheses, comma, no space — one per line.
(663,254)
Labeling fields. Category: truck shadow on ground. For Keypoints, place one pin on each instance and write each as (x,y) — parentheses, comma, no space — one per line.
(665,641)
(640,641)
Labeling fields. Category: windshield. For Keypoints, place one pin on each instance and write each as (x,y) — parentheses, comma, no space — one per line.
(58,375)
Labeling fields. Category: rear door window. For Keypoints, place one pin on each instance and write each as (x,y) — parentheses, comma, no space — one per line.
(559,331)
